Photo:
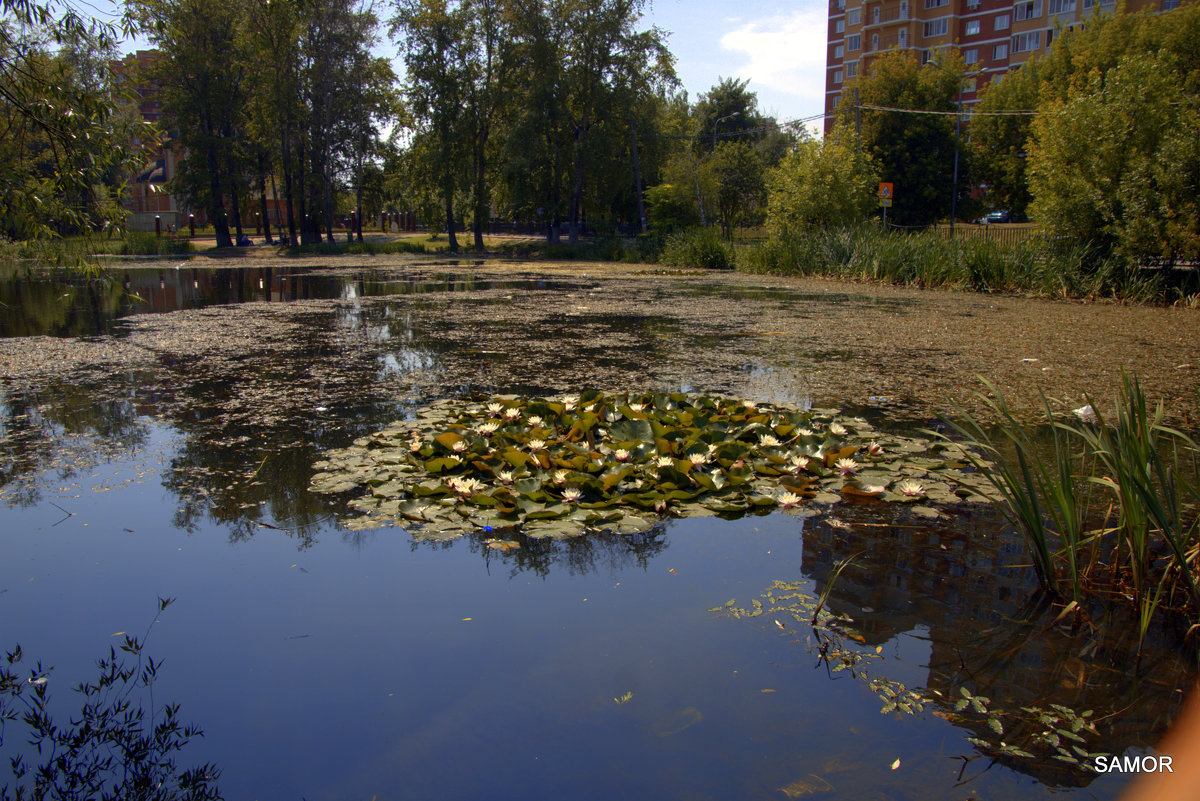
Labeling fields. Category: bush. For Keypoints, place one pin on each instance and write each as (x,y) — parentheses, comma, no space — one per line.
(697,247)
(144,243)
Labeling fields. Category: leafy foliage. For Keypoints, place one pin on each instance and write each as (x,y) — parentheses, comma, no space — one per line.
(117,747)
(830,182)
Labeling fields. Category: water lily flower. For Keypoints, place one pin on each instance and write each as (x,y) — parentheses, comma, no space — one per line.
(512,413)
(535,421)
(837,429)
(465,486)
(622,455)
(537,444)
(637,407)
(768,441)
(873,489)
(847,467)
(660,505)
(698,459)
(910,488)
(560,476)
(1085,413)
(874,449)
(414,445)
(569,402)
(665,461)
(495,408)
(806,432)
(487,429)
(787,500)
(459,446)
(750,404)
(505,476)
(571,495)
(799,463)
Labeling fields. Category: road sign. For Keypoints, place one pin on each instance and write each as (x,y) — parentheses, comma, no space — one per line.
(886,202)
(885,191)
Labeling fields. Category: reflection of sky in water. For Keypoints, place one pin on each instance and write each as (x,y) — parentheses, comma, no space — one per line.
(406,360)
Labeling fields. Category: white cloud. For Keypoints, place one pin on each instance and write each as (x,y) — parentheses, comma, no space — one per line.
(786,52)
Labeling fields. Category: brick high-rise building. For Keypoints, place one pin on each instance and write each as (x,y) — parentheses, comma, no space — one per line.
(993,35)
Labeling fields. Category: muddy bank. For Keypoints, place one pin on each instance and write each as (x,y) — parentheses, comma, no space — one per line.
(620,327)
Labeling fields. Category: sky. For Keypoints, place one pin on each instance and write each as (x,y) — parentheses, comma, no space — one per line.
(778,46)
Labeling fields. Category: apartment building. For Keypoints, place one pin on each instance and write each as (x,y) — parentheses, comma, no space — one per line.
(993,35)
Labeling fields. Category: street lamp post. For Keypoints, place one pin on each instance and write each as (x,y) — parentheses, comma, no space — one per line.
(962,79)
(717,124)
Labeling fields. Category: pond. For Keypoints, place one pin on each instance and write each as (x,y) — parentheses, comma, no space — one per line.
(163,447)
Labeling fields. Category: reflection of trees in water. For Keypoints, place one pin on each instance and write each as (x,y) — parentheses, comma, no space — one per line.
(967,580)
(594,552)
(67,429)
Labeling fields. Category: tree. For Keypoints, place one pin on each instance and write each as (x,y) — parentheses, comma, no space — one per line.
(822,184)
(738,170)
(1118,162)
(67,137)
(914,151)
(433,32)
(999,140)
(204,96)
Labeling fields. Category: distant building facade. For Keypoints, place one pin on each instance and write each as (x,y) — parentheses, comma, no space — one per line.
(993,35)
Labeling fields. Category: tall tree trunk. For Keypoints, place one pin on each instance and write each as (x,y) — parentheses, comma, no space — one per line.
(262,196)
(216,209)
(233,202)
(637,180)
(305,226)
(287,186)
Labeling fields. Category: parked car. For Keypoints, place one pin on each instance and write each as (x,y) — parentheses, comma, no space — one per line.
(997,217)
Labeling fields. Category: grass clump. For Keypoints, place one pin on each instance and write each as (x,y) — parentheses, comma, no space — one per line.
(1109,509)
(697,247)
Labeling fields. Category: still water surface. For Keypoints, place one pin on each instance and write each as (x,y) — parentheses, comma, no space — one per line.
(328,664)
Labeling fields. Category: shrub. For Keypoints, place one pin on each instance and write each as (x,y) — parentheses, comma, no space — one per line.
(697,247)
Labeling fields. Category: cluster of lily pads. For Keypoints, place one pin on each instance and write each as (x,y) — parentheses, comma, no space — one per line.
(562,465)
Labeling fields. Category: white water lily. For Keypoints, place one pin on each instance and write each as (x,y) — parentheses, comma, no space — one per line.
(806,432)
(495,408)
(750,404)
(622,455)
(665,461)
(837,429)
(512,413)
(535,421)
(460,446)
(465,486)
(637,407)
(874,449)
(799,463)
(873,489)
(537,444)
(571,495)
(787,500)
(698,459)
(847,467)
(505,476)
(487,429)
(910,488)
(768,441)
(560,476)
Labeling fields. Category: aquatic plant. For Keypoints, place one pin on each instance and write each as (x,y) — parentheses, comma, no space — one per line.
(561,466)
(1063,500)
(115,747)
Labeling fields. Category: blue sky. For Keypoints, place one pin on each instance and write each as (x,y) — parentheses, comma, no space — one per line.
(778,46)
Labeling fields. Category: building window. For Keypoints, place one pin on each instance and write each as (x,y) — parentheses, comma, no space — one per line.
(1031,10)
(1000,52)
(854,41)
(839,51)
(836,99)
(972,28)
(874,42)
(854,16)
(839,26)
(837,76)
(1062,6)
(971,55)
(936,3)
(1002,22)
(852,69)
(1024,42)
(937,27)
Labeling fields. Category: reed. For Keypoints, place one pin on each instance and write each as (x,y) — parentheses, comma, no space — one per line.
(1108,508)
